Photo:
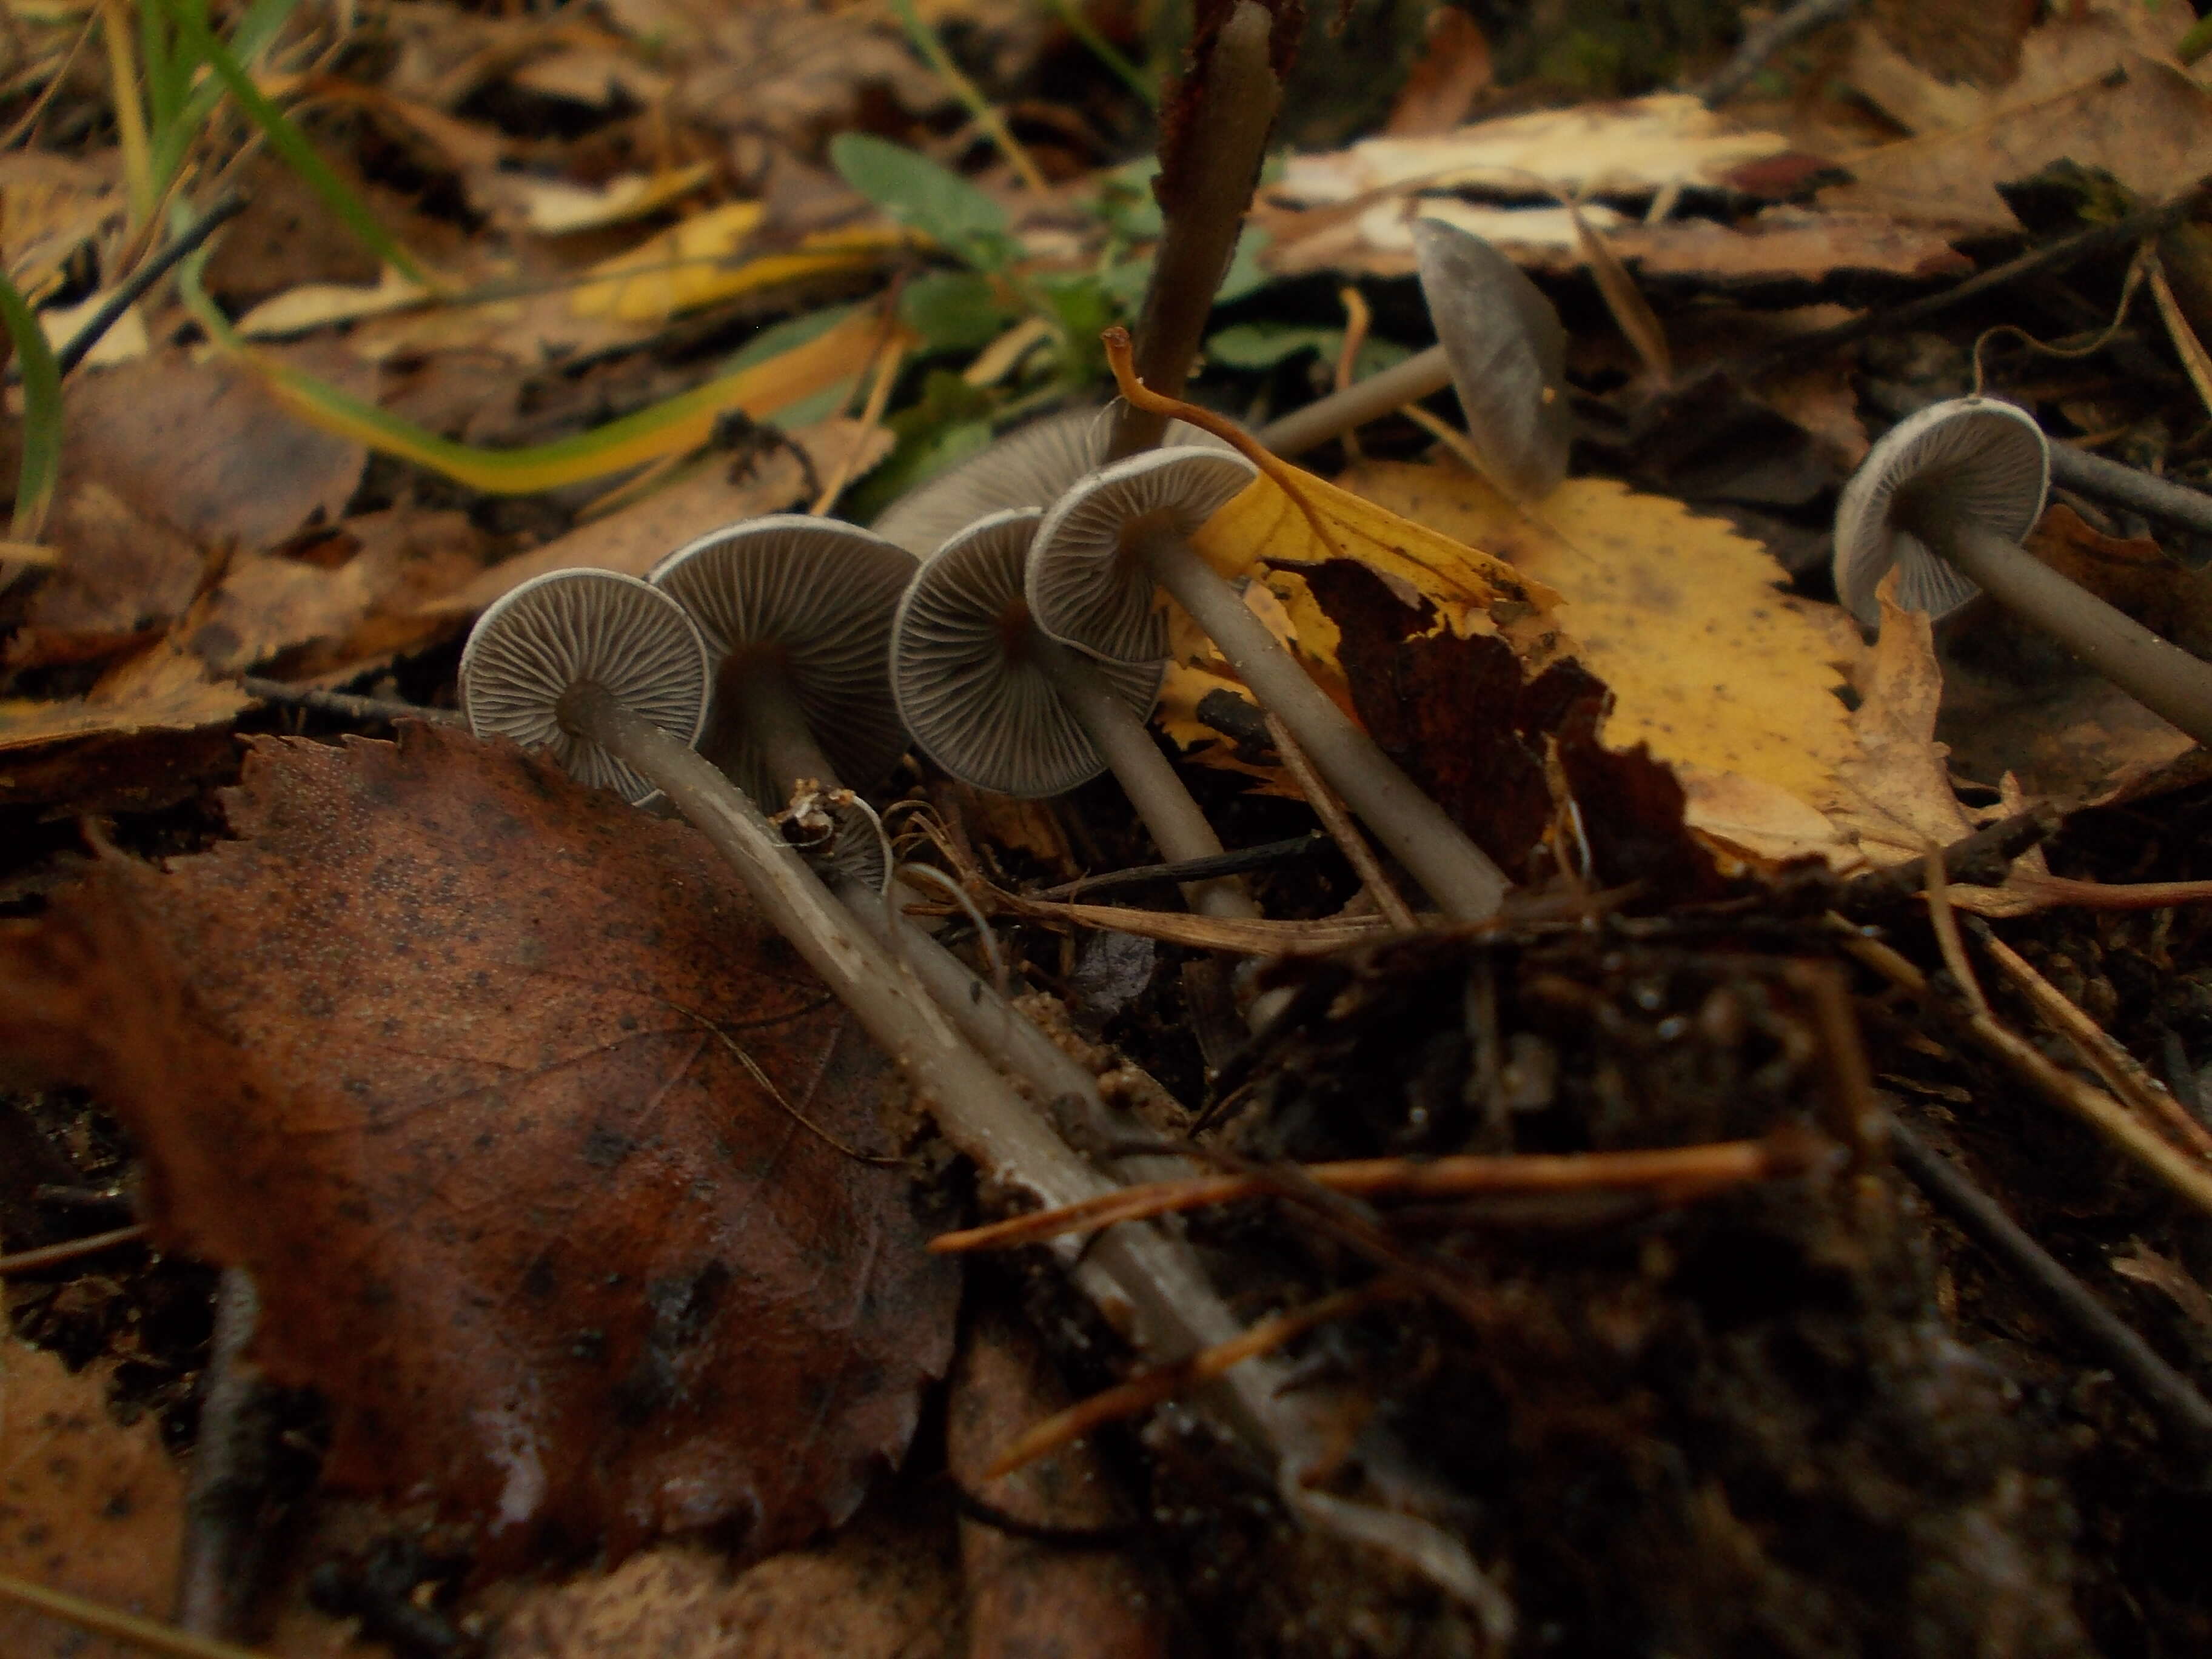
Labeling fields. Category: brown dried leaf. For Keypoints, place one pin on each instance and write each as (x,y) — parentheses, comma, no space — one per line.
(120,572)
(453,1054)
(87,1505)
(200,445)
(1452,72)
(163,690)
(1026,1596)
(633,539)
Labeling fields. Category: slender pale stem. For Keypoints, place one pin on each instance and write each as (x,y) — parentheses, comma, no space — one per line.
(1459,875)
(2157,673)
(1179,829)
(1363,401)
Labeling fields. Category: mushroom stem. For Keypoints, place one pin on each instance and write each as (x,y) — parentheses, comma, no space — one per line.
(1178,828)
(1371,399)
(2157,673)
(1208,173)
(1459,875)
(755,696)
(1140,1277)
(757,700)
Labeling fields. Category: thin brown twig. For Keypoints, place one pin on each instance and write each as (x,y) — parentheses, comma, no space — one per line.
(1342,831)
(91,1615)
(53,1255)
(1153,1387)
(2183,1174)
(1696,1169)
(1945,921)
(2122,1073)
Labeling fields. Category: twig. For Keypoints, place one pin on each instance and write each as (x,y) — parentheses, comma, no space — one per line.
(1692,1170)
(2185,1178)
(888,360)
(1243,860)
(113,1621)
(219,1556)
(1151,1388)
(2052,256)
(1338,821)
(2181,1408)
(1945,921)
(2124,1075)
(53,1255)
(344,704)
(1982,858)
(151,272)
(1855,1114)
(987,118)
(1785,29)
(21,129)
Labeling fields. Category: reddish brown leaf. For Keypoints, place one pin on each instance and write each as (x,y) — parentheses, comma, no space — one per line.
(1460,716)
(451,1053)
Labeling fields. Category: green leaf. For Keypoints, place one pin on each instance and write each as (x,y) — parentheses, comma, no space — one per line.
(41,465)
(1263,345)
(925,196)
(954,310)
(949,422)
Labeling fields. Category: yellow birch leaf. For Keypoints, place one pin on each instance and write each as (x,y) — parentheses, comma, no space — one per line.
(1709,663)
(1475,592)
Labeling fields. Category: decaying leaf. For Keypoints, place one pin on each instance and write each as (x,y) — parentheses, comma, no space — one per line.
(523,1124)
(633,539)
(1709,662)
(1508,749)
(695,263)
(202,447)
(87,1505)
(161,688)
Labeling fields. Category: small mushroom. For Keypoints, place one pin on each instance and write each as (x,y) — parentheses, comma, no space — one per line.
(1028,467)
(1945,497)
(998,704)
(556,663)
(1499,345)
(1093,570)
(797,613)
(538,641)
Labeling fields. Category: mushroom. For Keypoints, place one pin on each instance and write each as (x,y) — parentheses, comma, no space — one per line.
(1110,540)
(796,614)
(1028,467)
(998,704)
(1500,345)
(1945,497)
(571,660)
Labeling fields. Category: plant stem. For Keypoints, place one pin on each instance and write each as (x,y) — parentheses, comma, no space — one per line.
(1465,886)
(2157,673)
(1178,829)
(1204,185)
(1419,376)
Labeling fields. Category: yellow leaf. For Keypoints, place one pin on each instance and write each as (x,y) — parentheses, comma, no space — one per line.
(1476,593)
(695,263)
(1709,663)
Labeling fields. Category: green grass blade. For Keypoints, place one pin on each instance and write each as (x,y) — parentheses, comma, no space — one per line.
(42,415)
(292,147)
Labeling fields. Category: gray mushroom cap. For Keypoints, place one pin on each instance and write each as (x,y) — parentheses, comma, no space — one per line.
(819,596)
(1983,459)
(1508,355)
(975,705)
(1031,466)
(1083,590)
(570,627)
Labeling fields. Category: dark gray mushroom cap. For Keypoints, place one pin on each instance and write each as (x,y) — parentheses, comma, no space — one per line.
(568,627)
(1084,589)
(1508,355)
(975,706)
(1028,467)
(818,595)
(1980,459)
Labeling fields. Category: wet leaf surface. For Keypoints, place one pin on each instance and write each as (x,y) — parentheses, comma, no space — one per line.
(497,1086)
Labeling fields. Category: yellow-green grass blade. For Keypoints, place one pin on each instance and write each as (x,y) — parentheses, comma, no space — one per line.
(42,415)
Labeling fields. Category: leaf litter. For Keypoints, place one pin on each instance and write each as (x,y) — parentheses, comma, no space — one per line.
(670,166)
